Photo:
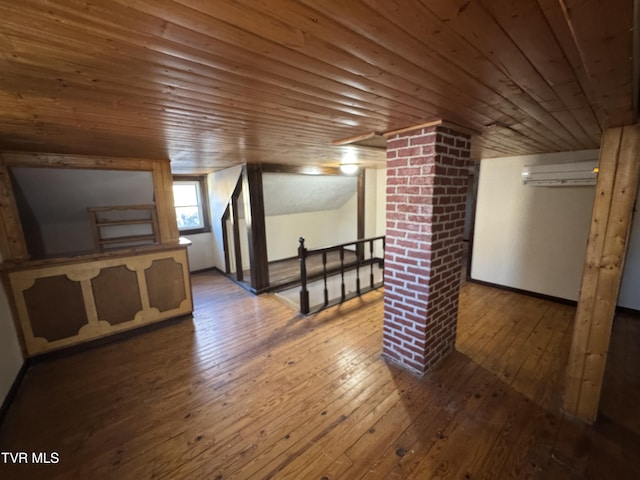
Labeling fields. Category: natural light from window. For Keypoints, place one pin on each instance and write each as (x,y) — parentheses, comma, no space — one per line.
(186,196)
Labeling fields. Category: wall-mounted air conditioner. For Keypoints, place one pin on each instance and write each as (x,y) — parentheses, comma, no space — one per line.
(561,174)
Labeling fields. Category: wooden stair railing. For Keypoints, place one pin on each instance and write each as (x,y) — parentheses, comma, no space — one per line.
(357,248)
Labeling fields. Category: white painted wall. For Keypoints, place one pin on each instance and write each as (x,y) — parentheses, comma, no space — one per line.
(381,202)
(630,287)
(375,202)
(11,359)
(346,228)
(220,187)
(376,206)
(319,229)
(289,193)
(201,251)
(531,238)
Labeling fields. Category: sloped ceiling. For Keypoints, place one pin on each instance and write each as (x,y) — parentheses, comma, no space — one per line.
(56,199)
(60,196)
(288,193)
(212,84)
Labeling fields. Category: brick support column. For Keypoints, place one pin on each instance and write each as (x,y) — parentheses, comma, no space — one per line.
(427,174)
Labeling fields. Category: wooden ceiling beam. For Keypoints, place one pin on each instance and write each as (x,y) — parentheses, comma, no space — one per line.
(554,14)
(603,34)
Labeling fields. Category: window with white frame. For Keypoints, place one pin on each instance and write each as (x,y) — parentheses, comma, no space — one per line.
(189,196)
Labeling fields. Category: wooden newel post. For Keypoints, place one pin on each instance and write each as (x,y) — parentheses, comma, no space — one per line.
(304,293)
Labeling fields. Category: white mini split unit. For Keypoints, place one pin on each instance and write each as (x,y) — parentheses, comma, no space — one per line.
(561,174)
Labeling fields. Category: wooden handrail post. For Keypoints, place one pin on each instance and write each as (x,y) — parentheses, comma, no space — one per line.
(370,263)
(342,289)
(304,293)
(324,277)
(359,258)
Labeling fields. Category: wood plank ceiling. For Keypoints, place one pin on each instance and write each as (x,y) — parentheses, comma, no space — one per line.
(214,83)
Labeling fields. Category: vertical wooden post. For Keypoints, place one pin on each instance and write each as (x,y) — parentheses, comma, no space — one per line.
(304,293)
(225,238)
(256,227)
(231,213)
(610,225)
(163,193)
(12,242)
(361,215)
(235,225)
(371,263)
(342,288)
(324,276)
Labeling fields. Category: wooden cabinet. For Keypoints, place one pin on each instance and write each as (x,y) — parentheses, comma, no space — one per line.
(63,303)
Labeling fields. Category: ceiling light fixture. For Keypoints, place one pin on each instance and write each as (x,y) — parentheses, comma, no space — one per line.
(349,168)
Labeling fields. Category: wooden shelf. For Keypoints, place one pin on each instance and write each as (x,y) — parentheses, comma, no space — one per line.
(115,223)
(105,218)
(131,238)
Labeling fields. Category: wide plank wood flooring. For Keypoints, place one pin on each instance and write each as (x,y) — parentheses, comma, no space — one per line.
(287,272)
(248,389)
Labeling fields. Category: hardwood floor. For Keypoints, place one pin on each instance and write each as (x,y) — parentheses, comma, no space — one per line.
(287,272)
(247,389)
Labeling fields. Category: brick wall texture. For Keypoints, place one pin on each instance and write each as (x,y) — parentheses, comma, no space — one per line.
(427,176)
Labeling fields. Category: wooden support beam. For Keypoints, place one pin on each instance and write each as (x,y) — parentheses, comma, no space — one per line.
(225,239)
(299,169)
(256,227)
(429,124)
(360,233)
(163,194)
(13,245)
(610,225)
(235,225)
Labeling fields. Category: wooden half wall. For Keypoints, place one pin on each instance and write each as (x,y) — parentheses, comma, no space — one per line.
(66,300)
(12,241)
(70,302)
